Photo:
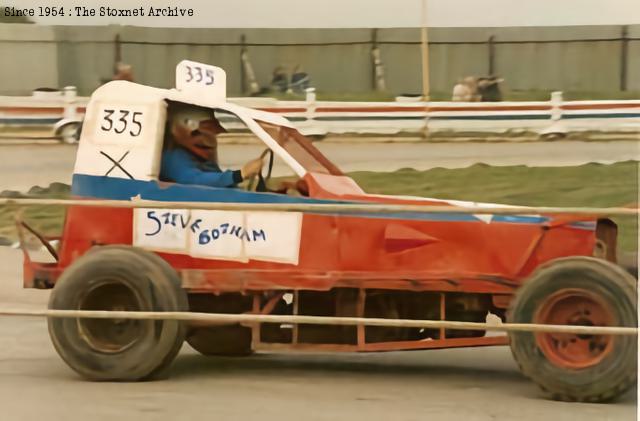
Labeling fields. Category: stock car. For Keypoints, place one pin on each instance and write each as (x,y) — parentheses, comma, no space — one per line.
(546,269)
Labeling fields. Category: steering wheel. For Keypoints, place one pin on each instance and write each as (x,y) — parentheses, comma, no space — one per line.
(261,184)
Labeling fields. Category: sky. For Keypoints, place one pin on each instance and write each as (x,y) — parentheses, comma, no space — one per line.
(349,13)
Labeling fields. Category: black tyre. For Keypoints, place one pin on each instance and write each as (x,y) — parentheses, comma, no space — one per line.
(170,273)
(230,341)
(118,278)
(577,291)
(223,340)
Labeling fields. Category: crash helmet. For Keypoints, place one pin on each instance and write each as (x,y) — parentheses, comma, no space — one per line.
(195,128)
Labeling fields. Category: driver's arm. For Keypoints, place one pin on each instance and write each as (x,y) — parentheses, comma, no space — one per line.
(179,166)
(226,178)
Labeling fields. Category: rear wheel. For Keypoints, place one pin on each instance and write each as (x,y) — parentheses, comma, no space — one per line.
(577,291)
(226,340)
(118,278)
(230,341)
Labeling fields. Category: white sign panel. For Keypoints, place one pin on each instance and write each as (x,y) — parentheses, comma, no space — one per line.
(275,236)
(207,80)
(161,229)
(120,124)
(220,235)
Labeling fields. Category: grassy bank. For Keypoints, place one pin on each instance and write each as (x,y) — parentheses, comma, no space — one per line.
(592,185)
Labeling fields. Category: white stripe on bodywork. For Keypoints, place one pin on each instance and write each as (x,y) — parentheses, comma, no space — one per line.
(486,218)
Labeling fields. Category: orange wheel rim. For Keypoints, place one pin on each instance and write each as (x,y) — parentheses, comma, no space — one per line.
(575,307)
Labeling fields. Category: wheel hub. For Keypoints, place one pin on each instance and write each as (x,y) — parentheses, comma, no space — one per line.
(575,307)
(110,335)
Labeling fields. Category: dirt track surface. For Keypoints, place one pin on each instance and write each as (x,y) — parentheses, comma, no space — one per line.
(23,166)
(451,385)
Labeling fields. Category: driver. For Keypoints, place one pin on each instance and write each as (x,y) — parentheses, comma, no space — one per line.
(191,151)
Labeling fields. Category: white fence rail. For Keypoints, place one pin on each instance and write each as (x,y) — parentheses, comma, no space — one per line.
(327,117)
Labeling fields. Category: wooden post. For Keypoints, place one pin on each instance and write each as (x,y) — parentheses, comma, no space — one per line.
(624,54)
(425,54)
(249,84)
(492,56)
(424,35)
(243,75)
(374,45)
(118,53)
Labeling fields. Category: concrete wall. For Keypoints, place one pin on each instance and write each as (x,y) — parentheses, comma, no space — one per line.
(633,56)
(453,54)
(338,60)
(29,58)
(586,65)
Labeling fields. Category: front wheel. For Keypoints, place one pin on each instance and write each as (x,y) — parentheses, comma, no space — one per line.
(126,279)
(577,291)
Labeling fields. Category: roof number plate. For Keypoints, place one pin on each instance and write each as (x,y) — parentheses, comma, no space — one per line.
(201,78)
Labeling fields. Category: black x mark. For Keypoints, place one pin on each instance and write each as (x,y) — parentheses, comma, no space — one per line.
(116,164)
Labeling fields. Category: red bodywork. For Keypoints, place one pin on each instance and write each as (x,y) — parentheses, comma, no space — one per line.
(349,251)
(465,266)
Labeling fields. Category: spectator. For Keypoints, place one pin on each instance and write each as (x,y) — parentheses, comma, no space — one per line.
(124,71)
(465,90)
(489,88)
(461,92)
(280,81)
(299,80)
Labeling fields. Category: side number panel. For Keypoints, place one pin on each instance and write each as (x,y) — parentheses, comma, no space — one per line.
(220,235)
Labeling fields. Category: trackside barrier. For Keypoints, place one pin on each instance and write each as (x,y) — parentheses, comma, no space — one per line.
(214,318)
(313,117)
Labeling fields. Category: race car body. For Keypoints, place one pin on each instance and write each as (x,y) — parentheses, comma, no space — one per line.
(421,265)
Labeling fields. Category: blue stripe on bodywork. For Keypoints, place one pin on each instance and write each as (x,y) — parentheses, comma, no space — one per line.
(123,189)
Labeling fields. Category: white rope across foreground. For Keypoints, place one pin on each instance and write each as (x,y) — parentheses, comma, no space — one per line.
(215,318)
(325,207)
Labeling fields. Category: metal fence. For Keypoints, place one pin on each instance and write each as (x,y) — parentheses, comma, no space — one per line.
(580,58)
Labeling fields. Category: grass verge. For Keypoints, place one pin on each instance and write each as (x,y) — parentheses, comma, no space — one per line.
(591,185)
